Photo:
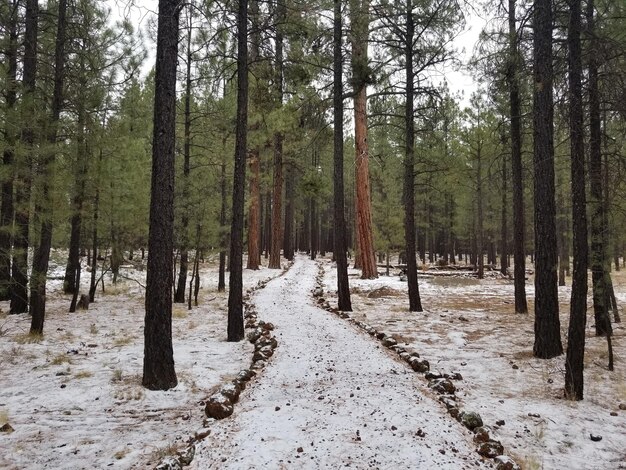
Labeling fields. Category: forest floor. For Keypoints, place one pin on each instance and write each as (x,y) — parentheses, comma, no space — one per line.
(469,326)
(331,396)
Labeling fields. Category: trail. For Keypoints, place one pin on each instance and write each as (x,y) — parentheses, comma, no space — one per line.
(331,397)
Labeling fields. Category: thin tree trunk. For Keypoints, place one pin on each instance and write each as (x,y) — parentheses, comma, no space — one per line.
(415,303)
(179,294)
(277,191)
(288,251)
(19,269)
(221,282)
(339,252)
(6,208)
(547,326)
(504,227)
(574,361)
(41,256)
(158,363)
(235,290)
(519,255)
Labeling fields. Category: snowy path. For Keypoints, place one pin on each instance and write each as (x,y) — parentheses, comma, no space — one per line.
(331,397)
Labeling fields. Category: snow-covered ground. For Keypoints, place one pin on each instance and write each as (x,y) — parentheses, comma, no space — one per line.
(74,398)
(469,326)
(332,397)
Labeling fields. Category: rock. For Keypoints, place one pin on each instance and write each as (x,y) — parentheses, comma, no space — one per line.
(481,434)
(448,400)
(186,456)
(253,336)
(613,413)
(500,422)
(388,342)
(218,406)
(258,365)
(6,427)
(534,415)
(169,463)
(83,302)
(245,375)
(442,386)
(201,434)
(462,318)
(299,450)
(419,365)
(405,356)
(490,449)
(432,375)
(454,412)
(595,438)
(504,462)
(230,391)
(381,335)
(622,406)
(515,366)
(453,376)
(471,420)
(259,356)
(318,292)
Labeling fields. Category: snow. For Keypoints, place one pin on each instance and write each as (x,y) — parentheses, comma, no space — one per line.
(75,398)
(331,396)
(469,326)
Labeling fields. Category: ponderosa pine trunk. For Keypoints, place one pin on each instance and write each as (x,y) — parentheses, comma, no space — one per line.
(277,190)
(339,221)
(504,227)
(235,285)
(408,194)
(288,243)
(547,325)
(158,361)
(221,278)
(43,211)
(574,361)
(19,268)
(519,254)
(10,138)
(179,294)
(254,209)
(597,249)
(359,13)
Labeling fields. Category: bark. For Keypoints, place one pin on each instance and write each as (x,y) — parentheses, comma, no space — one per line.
(277,190)
(547,326)
(6,208)
(408,195)
(235,291)
(158,363)
(179,295)
(339,252)
(19,268)
(94,243)
(221,281)
(254,210)
(519,255)
(288,244)
(480,238)
(41,256)
(574,361)
(504,228)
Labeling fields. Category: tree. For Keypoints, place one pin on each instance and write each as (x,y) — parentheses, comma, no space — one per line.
(19,282)
(158,363)
(547,325)
(339,251)
(8,156)
(235,292)
(519,255)
(574,361)
(361,75)
(408,197)
(44,213)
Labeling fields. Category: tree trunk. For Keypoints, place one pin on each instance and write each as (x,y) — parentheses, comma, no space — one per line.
(289,212)
(504,227)
(6,208)
(519,255)
(359,13)
(19,269)
(235,290)
(574,362)
(547,326)
(179,295)
(41,256)
(221,282)
(408,196)
(277,190)
(158,362)
(339,252)
(480,242)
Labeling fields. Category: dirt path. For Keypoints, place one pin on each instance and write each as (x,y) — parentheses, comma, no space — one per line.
(331,397)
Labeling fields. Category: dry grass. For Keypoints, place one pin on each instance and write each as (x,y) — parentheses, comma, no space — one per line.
(180,312)
(120,454)
(161,452)
(60,359)
(4,417)
(29,338)
(83,374)
(124,340)
(118,375)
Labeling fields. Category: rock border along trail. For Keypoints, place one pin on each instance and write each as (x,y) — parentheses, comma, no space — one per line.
(330,397)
